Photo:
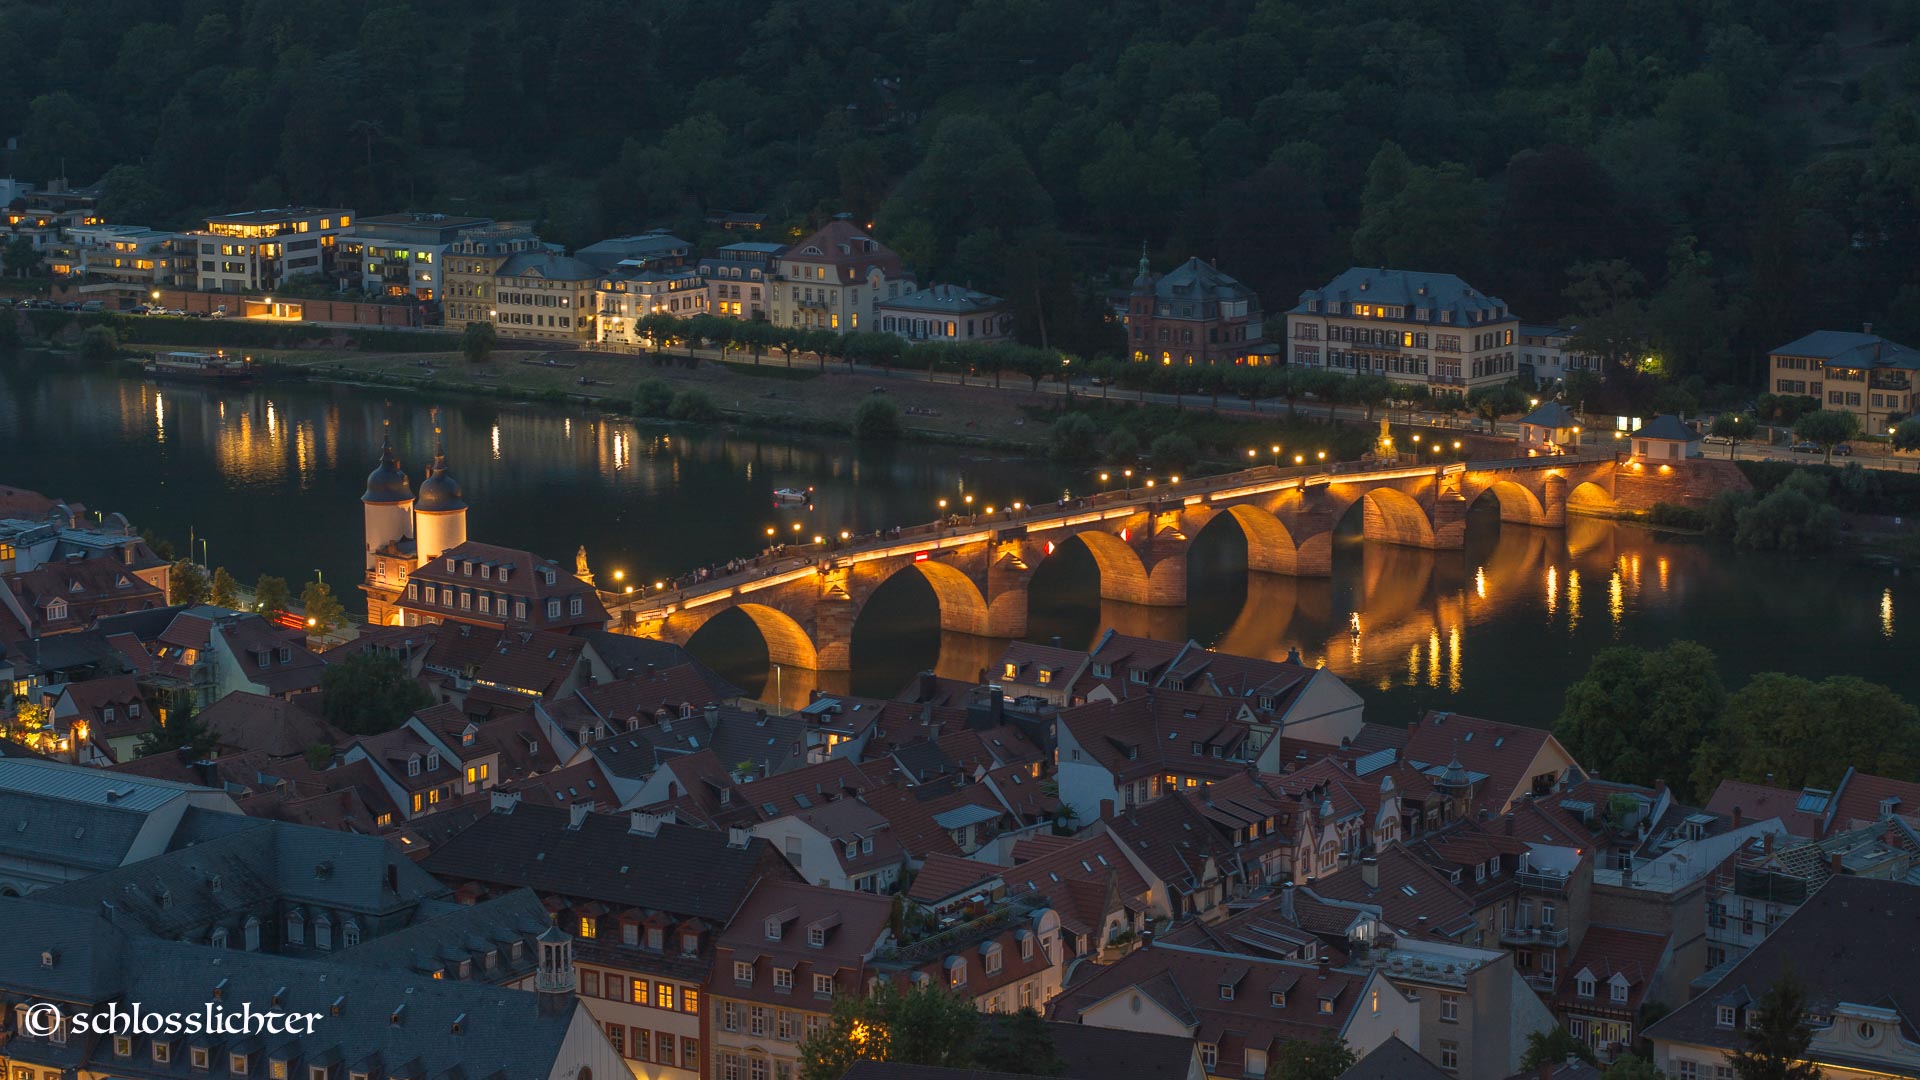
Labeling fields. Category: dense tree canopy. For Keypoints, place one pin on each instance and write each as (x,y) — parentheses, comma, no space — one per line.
(1752,163)
(1638,716)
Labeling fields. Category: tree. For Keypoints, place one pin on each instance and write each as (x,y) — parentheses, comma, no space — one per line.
(222,590)
(1173,452)
(28,722)
(1074,438)
(1774,1046)
(20,257)
(181,730)
(367,694)
(1019,1043)
(1493,402)
(1734,427)
(99,345)
(1554,1046)
(1801,733)
(1635,715)
(1906,434)
(477,341)
(926,1025)
(270,595)
(876,420)
(1633,1067)
(1794,516)
(186,583)
(324,613)
(1324,1058)
(1828,428)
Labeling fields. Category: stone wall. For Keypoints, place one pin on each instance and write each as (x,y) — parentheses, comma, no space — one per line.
(1688,482)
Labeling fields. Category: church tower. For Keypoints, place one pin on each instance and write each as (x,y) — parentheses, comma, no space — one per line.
(440,514)
(387,506)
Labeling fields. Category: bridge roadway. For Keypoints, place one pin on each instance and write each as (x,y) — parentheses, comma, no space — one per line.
(804,599)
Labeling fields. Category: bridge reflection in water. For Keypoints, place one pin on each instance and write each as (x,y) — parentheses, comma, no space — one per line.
(1413,627)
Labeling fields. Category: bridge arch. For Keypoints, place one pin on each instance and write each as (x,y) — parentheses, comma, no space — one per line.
(1518,504)
(788,643)
(1589,498)
(962,608)
(1123,576)
(1391,516)
(1270,546)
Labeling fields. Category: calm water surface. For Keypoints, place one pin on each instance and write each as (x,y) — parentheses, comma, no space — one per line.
(270,476)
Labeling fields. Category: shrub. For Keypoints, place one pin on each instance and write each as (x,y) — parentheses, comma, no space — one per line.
(1672,515)
(1120,447)
(876,420)
(1073,438)
(653,397)
(692,405)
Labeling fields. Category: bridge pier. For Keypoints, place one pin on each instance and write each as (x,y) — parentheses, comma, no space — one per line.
(1007,581)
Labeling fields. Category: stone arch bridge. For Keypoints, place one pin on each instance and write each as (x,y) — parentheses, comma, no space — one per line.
(805,603)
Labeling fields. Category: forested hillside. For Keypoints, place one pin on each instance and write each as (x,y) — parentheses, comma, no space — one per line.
(1752,166)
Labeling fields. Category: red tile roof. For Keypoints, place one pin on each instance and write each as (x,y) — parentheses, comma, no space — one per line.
(1604,951)
(1758,802)
(1504,752)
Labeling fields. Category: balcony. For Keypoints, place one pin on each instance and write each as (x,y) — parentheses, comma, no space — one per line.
(1542,881)
(1541,982)
(1546,936)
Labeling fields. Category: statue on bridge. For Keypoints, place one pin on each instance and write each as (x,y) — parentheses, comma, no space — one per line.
(1383,451)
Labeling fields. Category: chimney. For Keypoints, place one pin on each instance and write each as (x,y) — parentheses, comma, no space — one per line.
(1325,968)
(503,802)
(1293,654)
(997,705)
(929,684)
(1370,871)
(1736,817)
(1766,843)
(576,814)
(1545,1070)
(738,837)
(1286,901)
(1106,810)
(1866,328)
(644,824)
(1056,641)
(1835,860)
(713,717)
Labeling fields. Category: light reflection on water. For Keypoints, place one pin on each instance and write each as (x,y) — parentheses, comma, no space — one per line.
(271,476)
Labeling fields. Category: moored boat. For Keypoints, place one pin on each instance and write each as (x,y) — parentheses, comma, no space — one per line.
(216,366)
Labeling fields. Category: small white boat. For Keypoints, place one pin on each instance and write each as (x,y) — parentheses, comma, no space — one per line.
(792,495)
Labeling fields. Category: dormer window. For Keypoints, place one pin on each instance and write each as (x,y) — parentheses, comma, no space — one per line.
(433,761)
(1277,999)
(296,928)
(413,765)
(1226,991)
(237,1064)
(743,973)
(1583,985)
(817,936)
(1725,1016)
(56,610)
(773,929)
(553,609)
(1620,990)
(450,566)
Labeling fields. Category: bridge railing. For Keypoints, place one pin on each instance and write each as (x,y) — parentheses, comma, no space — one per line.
(783,558)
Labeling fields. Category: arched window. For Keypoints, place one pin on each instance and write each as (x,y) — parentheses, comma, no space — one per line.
(296,928)
(251,934)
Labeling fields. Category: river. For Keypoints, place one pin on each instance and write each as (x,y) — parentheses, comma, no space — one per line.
(268,477)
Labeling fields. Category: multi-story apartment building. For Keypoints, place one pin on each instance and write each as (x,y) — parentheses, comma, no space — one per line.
(788,952)
(1847,950)
(125,254)
(946,313)
(739,277)
(1546,353)
(401,256)
(42,215)
(470,264)
(1193,314)
(833,279)
(1863,374)
(543,296)
(657,249)
(260,250)
(643,900)
(1409,326)
(631,293)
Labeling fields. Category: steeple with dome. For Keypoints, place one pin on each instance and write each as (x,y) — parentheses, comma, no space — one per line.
(387,507)
(440,514)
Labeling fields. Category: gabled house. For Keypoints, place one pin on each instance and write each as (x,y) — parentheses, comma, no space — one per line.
(1503,762)
(1609,979)
(1114,753)
(844,844)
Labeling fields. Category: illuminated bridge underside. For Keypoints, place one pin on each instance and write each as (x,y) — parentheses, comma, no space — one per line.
(979,572)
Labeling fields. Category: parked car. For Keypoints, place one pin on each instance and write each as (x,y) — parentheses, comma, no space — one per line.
(1715,440)
(218,313)
(70,306)
(1843,450)
(1805,448)
(138,309)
